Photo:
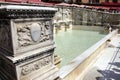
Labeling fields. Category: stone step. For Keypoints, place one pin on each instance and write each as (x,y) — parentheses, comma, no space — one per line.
(49,75)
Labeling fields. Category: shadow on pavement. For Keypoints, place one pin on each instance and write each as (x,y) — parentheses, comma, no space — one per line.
(112,73)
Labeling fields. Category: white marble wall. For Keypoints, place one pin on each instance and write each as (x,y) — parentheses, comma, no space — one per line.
(83,16)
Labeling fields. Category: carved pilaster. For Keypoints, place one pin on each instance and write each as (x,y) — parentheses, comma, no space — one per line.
(5,36)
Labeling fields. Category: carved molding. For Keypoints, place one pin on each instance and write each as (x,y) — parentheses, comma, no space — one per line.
(20,11)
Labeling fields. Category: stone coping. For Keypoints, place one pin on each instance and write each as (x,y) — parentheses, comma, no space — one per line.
(19,11)
(23,57)
(19,7)
(66,70)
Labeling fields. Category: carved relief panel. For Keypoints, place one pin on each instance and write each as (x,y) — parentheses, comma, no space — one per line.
(36,64)
(33,32)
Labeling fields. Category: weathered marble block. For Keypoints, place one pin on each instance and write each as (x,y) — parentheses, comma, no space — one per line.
(26,43)
(23,35)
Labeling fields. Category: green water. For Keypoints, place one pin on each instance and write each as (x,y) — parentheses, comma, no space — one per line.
(72,43)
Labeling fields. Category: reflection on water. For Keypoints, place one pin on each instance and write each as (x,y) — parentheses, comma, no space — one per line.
(72,43)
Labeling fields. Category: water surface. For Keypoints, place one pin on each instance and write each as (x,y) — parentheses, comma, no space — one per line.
(72,43)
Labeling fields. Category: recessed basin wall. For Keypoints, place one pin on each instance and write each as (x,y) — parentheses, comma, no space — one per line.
(91,28)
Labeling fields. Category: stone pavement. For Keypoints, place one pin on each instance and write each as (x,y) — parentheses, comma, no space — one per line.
(106,66)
